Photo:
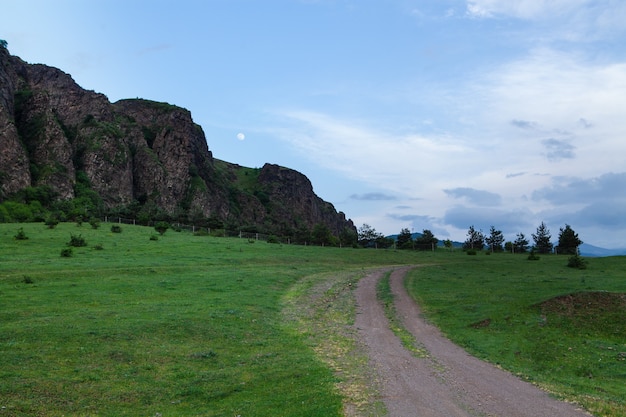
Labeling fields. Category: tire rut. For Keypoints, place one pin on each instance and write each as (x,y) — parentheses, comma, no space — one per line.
(448,382)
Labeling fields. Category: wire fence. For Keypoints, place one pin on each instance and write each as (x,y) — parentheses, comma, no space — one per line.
(199,230)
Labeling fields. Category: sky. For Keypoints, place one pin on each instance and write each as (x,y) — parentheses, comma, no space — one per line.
(416,114)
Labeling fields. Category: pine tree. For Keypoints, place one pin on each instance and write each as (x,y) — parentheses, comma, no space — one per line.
(568,241)
(475,239)
(521,243)
(495,240)
(427,241)
(542,239)
(405,240)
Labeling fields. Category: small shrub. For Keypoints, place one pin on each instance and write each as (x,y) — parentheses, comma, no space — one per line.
(273,239)
(98,246)
(116,228)
(201,232)
(66,253)
(577,261)
(76,241)
(79,221)
(154,237)
(27,280)
(161,227)
(20,234)
(52,222)
(471,252)
(95,223)
(533,256)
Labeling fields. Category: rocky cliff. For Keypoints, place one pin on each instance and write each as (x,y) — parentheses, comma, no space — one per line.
(138,156)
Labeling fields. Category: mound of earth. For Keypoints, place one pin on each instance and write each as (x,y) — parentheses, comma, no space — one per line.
(596,310)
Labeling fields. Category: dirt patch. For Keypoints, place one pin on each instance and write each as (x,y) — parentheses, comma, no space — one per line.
(448,381)
(596,312)
(481,324)
(585,304)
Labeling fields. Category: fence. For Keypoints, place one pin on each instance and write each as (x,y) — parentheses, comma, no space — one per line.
(194,229)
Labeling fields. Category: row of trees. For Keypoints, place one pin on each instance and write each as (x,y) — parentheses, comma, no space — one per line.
(368,237)
(568,241)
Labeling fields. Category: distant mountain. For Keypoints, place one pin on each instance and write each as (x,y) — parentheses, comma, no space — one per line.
(594,251)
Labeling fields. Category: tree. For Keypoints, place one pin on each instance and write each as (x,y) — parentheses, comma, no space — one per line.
(447,244)
(321,235)
(495,240)
(368,237)
(348,237)
(520,245)
(475,239)
(568,241)
(161,227)
(427,241)
(405,240)
(542,239)
(3,43)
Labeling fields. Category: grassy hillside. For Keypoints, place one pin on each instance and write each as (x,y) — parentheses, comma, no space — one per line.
(203,326)
(561,328)
(183,325)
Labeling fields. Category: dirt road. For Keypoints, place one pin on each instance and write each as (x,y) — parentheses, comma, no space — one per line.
(449,382)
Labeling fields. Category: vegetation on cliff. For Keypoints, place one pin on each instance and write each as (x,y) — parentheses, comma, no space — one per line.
(70,153)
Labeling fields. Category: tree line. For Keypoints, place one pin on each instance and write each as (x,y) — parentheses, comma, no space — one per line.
(568,241)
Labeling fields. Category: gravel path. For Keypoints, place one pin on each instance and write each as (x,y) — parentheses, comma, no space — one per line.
(449,382)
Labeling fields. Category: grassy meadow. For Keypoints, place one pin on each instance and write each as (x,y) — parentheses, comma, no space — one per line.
(561,328)
(204,326)
(180,326)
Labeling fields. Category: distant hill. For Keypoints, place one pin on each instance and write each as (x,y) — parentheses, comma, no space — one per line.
(594,251)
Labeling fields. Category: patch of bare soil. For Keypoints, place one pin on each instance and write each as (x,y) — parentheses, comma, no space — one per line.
(448,381)
(586,305)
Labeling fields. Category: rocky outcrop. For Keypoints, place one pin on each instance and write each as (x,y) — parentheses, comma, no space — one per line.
(137,153)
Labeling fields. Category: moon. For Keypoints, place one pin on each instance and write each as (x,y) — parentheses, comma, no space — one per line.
(241,136)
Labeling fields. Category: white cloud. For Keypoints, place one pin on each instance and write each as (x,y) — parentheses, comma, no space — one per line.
(373,154)
(522,9)
(477,197)
(559,101)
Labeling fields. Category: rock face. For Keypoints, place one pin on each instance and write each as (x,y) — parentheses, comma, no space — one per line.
(138,153)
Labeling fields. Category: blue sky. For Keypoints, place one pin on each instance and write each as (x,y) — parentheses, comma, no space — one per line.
(411,114)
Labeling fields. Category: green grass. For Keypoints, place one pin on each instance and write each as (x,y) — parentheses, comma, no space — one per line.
(185,325)
(518,314)
(204,326)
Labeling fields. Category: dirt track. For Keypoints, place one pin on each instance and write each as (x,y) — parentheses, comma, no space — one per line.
(449,382)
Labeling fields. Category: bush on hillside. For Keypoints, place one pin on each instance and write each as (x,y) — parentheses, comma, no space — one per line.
(21,235)
(94,222)
(77,241)
(532,256)
(52,222)
(161,227)
(577,261)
